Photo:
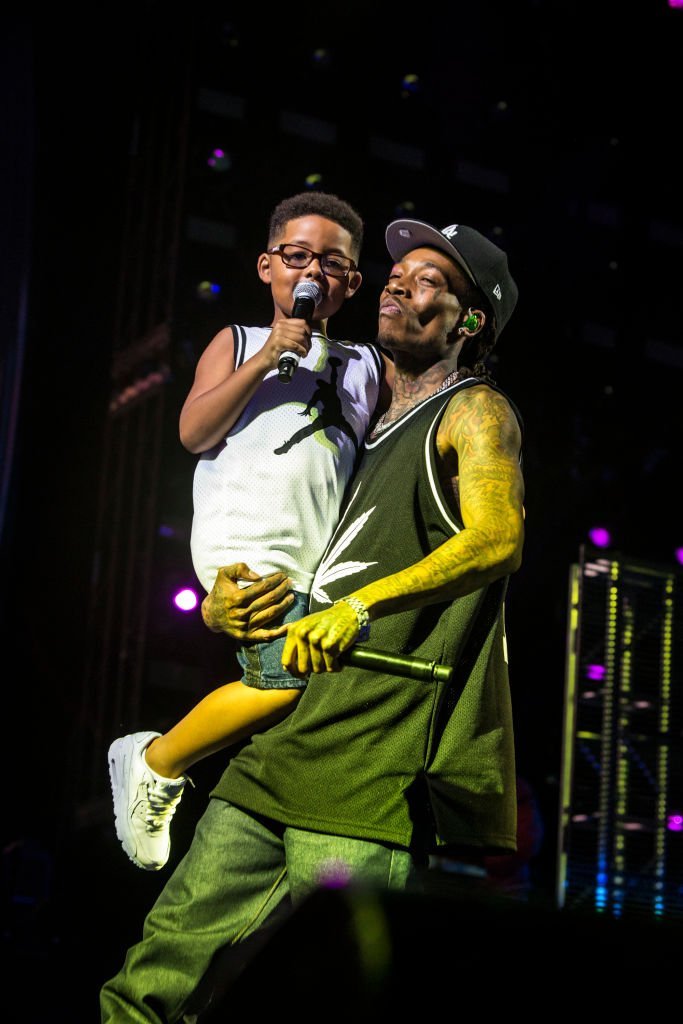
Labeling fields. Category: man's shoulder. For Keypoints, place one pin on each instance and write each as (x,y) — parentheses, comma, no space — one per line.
(482,399)
(479,390)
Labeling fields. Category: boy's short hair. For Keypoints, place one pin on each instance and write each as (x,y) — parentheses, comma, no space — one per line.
(324,204)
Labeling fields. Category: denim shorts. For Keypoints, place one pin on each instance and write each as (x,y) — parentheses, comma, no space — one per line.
(261,663)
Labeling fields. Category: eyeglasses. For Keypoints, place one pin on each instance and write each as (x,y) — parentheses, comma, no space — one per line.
(298,256)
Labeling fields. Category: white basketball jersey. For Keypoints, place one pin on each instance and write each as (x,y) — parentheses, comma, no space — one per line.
(269,494)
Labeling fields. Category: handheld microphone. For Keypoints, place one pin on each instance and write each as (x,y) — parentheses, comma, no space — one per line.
(396,664)
(307,296)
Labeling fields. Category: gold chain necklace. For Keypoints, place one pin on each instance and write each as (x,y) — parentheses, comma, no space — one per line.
(381,423)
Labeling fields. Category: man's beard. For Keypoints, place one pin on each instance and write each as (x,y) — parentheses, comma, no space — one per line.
(383,338)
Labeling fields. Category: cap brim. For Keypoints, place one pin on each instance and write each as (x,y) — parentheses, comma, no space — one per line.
(404,235)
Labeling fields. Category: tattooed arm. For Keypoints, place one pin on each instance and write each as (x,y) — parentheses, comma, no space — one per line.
(478,444)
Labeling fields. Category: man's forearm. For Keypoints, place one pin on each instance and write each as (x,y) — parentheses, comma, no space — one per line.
(458,567)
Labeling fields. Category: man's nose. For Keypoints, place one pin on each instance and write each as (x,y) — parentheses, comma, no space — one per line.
(395,285)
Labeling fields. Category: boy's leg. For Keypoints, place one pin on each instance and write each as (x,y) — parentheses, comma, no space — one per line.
(231,879)
(146,796)
(226,715)
(233,712)
(147,769)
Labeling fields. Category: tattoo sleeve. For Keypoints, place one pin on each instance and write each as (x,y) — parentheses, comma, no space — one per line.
(478,446)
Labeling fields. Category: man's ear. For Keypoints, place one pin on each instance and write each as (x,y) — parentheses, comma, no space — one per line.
(263,267)
(353,283)
(480,317)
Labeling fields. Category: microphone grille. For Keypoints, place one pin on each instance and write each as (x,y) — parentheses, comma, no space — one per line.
(308,290)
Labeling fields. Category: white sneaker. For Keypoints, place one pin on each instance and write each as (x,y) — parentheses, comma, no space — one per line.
(144,802)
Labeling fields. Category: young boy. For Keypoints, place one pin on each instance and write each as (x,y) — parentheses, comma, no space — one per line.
(260,476)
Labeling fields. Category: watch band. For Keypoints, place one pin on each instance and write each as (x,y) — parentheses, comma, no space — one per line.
(361,614)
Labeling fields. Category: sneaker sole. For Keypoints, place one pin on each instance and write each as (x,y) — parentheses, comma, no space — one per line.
(123,749)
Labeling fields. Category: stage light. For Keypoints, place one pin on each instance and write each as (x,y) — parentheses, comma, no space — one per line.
(186,600)
(600,537)
(595,672)
(208,291)
(679,555)
(219,160)
(334,873)
(321,57)
(405,209)
(410,85)
(674,822)
(140,388)
(313,181)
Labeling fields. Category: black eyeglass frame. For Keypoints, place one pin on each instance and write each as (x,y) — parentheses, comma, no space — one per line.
(320,256)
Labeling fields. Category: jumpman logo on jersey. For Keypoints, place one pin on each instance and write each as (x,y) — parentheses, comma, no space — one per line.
(330,415)
(330,569)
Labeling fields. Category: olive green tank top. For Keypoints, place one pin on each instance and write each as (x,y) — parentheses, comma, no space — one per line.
(421,764)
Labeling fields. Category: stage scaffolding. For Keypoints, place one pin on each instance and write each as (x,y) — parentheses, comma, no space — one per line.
(620,844)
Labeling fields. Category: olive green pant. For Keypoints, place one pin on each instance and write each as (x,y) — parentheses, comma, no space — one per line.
(236,874)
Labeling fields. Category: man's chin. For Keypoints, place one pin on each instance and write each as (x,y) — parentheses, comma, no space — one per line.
(384,338)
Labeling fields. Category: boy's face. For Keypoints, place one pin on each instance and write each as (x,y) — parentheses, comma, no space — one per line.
(320,235)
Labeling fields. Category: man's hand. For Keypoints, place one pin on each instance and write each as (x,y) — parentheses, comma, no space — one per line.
(244,612)
(314,643)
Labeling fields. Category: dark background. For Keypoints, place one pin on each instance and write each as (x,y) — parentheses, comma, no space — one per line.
(553,127)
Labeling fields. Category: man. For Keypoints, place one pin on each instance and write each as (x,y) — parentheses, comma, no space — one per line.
(372,773)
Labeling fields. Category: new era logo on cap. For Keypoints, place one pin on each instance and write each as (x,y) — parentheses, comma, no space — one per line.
(450,232)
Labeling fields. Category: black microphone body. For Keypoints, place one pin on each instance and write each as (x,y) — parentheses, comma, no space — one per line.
(303,308)
(307,296)
(396,664)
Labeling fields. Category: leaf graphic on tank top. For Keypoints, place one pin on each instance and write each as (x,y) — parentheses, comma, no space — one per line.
(328,571)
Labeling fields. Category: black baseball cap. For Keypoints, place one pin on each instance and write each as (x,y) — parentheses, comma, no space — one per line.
(484,263)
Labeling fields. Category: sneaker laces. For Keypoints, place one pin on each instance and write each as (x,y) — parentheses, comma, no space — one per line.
(161,804)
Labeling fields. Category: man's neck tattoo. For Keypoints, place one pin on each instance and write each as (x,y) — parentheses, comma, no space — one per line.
(405,403)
